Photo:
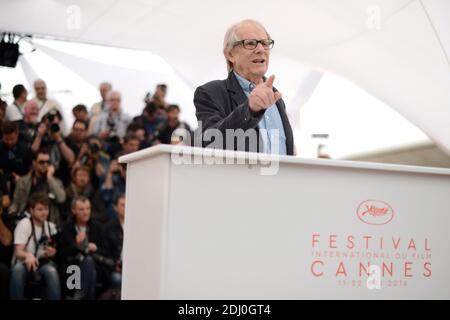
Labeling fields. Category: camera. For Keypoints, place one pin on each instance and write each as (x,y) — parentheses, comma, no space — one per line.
(107,262)
(111,124)
(51,117)
(54,128)
(94,148)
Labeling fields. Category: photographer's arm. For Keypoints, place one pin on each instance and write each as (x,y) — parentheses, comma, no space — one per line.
(114,167)
(5,234)
(6,201)
(28,258)
(67,153)
(36,143)
(57,188)
(19,193)
(42,129)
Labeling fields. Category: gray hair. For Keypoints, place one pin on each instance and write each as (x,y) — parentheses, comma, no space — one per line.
(113,92)
(39,81)
(108,84)
(231,38)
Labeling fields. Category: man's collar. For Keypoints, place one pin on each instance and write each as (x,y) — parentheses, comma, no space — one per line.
(233,86)
(244,83)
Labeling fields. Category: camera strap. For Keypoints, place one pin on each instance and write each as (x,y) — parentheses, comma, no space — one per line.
(43,104)
(33,235)
(18,109)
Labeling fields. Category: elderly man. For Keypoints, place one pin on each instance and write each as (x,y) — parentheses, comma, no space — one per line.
(46,104)
(30,122)
(98,107)
(112,122)
(246,99)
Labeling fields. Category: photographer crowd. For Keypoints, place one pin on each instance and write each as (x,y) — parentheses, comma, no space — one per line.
(62,203)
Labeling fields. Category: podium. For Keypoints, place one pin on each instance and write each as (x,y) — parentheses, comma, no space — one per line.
(214,224)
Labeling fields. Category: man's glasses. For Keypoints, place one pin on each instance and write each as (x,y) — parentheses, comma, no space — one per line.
(251,44)
(42,162)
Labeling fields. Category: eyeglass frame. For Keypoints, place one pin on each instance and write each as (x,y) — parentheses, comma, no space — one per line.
(241,42)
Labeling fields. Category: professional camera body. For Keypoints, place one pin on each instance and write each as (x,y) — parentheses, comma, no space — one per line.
(111,124)
(50,117)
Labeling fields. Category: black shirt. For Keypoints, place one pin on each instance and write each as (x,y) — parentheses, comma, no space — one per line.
(165,135)
(73,146)
(27,132)
(17,159)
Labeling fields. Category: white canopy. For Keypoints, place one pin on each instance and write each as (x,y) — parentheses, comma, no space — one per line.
(397,50)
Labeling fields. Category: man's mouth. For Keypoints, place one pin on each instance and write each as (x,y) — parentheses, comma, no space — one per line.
(261,61)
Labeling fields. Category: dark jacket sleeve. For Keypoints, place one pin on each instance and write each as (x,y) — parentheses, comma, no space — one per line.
(67,247)
(97,235)
(212,111)
(114,239)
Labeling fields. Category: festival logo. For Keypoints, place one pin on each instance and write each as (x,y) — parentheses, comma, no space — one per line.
(375,212)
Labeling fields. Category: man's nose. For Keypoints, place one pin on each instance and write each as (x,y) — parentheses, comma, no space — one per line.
(259,48)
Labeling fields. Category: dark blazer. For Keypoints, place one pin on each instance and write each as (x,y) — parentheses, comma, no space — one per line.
(222,104)
(114,238)
(67,247)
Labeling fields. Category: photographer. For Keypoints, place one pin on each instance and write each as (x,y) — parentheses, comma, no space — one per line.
(82,243)
(174,130)
(45,103)
(81,186)
(159,98)
(112,122)
(77,137)
(93,156)
(114,239)
(113,186)
(50,136)
(28,131)
(14,112)
(130,144)
(15,155)
(153,120)
(40,179)
(34,240)
(80,113)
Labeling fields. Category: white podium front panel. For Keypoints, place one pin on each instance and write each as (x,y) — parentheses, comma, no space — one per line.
(315,230)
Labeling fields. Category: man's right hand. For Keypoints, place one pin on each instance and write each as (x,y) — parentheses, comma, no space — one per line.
(92,247)
(114,167)
(31,263)
(80,237)
(263,97)
(51,171)
(84,150)
(42,130)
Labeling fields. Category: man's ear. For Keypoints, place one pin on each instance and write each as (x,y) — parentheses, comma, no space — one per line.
(229,55)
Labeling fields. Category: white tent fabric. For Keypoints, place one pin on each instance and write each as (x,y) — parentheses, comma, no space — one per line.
(397,50)
(132,83)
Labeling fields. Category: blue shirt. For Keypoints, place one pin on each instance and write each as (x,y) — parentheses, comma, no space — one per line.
(268,125)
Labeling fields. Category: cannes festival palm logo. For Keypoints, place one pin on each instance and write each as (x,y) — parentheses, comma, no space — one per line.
(375,212)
